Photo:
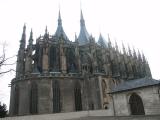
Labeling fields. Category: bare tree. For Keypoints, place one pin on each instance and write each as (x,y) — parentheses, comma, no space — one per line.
(4,61)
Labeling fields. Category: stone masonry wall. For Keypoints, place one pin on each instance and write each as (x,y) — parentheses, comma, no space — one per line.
(149,96)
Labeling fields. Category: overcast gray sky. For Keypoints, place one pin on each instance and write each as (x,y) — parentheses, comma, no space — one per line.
(135,22)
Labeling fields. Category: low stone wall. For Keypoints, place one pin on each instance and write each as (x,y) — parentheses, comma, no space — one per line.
(60,116)
(83,115)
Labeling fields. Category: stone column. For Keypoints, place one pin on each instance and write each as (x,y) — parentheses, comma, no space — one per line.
(45,60)
(28,62)
(62,59)
(78,59)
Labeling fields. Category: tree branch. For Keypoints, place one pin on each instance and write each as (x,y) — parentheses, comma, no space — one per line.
(7,71)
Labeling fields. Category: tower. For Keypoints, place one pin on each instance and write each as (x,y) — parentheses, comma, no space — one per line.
(21,55)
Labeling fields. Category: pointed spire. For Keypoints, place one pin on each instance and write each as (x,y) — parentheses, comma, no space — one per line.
(109,42)
(116,46)
(124,50)
(46,31)
(46,34)
(129,51)
(139,56)
(134,53)
(21,54)
(24,32)
(76,39)
(101,41)
(144,58)
(31,38)
(83,37)
(59,18)
(60,32)
(23,39)
(82,19)
(24,28)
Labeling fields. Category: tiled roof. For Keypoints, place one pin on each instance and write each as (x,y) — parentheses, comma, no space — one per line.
(133,84)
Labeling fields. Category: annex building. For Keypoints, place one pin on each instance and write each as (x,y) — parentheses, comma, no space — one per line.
(56,75)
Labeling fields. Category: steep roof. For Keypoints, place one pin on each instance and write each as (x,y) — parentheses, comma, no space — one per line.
(134,84)
(102,41)
(83,37)
(60,32)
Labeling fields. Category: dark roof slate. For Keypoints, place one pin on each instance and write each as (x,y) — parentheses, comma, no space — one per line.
(134,84)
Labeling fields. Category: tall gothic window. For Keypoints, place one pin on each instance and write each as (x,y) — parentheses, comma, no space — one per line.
(136,105)
(71,63)
(77,95)
(33,98)
(38,57)
(16,100)
(56,97)
(53,59)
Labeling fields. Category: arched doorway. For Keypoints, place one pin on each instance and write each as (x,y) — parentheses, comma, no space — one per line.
(16,100)
(34,98)
(136,105)
(56,97)
(77,96)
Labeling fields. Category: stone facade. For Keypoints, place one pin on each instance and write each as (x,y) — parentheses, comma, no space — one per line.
(57,75)
(150,97)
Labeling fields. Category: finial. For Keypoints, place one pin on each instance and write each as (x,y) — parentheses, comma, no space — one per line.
(82,19)
(59,18)
(31,34)
(24,33)
(75,36)
(82,15)
(109,38)
(143,57)
(46,31)
(76,39)
(124,50)
(129,50)
(134,53)
(59,15)
(109,41)
(139,55)
(31,38)
(116,45)
(81,10)
(24,28)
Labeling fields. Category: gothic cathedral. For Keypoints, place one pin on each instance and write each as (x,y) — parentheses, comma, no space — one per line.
(57,75)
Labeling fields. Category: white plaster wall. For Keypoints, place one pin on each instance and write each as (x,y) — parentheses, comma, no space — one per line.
(150,98)
(120,104)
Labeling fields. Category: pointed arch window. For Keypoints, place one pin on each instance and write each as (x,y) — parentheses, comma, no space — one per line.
(78,99)
(71,63)
(136,105)
(16,100)
(53,59)
(38,57)
(34,98)
(56,97)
